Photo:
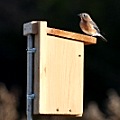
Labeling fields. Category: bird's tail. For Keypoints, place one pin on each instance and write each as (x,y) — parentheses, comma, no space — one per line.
(103,38)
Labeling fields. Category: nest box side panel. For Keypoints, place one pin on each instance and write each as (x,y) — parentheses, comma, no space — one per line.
(39,63)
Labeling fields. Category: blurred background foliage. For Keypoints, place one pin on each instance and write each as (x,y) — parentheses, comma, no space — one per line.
(102,61)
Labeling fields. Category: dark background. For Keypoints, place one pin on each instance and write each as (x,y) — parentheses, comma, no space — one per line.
(102,61)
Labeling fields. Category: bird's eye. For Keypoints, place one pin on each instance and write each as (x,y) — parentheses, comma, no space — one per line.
(84,15)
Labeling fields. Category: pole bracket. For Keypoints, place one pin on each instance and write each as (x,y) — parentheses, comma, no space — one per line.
(32,50)
(31,96)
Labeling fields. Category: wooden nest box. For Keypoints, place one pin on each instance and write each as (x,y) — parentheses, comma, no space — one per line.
(58,69)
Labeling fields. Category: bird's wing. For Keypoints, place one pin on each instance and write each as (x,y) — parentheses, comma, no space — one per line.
(95,26)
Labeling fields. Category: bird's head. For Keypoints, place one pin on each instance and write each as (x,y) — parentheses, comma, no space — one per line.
(84,16)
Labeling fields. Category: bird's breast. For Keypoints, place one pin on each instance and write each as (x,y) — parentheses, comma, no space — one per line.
(87,28)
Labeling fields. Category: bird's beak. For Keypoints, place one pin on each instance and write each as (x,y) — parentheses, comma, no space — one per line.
(79,15)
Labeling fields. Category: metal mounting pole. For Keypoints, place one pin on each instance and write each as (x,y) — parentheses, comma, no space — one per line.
(28,30)
(30,96)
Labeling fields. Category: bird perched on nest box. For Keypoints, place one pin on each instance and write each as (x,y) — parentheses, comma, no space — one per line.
(88,26)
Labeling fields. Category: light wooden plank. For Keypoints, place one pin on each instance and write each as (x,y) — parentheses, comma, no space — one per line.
(42,71)
(61,77)
(39,63)
(71,35)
